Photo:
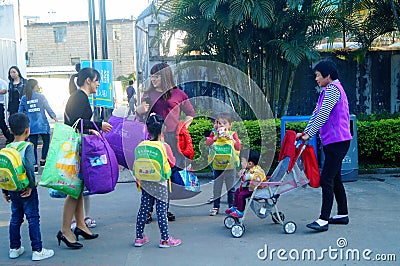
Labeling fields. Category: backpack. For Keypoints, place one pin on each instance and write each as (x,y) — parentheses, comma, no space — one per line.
(12,172)
(151,163)
(223,155)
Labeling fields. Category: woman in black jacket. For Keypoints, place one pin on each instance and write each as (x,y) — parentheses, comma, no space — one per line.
(78,107)
(16,89)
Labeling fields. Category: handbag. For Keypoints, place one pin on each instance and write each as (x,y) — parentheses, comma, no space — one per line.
(62,169)
(99,164)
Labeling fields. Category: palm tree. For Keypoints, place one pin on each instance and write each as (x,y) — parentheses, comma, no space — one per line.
(265,39)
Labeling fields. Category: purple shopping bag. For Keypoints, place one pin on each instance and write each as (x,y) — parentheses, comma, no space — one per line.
(124,137)
(99,164)
(114,138)
(133,132)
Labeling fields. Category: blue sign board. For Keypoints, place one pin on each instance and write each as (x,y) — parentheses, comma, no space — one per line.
(104,96)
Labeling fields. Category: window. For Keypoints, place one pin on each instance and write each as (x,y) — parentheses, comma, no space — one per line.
(75,60)
(116,32)
(60,34)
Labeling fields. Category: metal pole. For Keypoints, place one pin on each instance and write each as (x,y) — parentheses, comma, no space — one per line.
(90,24)
(103,29)
(94,29)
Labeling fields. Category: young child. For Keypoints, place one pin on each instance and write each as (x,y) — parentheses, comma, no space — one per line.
(25,201)
(34,105)
(155,192)
(251,171)
(224,126)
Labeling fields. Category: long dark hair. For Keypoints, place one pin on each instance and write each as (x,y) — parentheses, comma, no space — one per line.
(19,73)
(85,73)
(30,85)
(167,78)
(154,125)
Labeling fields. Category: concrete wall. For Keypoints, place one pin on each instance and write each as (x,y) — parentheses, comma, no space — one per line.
(44,51)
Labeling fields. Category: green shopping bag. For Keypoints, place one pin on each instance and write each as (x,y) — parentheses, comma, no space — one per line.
(62,169)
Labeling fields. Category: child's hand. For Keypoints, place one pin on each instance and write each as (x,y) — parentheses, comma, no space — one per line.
(26,192)
(6,197)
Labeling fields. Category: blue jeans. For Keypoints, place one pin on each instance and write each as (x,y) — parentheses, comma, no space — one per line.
(30,207)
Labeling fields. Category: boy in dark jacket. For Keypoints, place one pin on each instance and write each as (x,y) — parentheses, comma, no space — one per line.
(25,201)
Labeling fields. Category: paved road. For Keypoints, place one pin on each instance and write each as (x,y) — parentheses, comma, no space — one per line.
(374,225)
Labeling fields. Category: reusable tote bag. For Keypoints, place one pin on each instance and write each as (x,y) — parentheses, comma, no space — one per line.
(62,169)
(99,164)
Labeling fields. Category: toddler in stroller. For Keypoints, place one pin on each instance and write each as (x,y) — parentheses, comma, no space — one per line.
(288,176)
(251,171)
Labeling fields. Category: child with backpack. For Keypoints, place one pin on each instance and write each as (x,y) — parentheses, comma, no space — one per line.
(152,166)
(251,171)
(24,196)
(225,146)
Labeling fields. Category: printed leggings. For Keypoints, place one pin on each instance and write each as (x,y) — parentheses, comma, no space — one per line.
(146,204)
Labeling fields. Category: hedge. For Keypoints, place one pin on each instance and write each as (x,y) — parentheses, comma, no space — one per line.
(378,141)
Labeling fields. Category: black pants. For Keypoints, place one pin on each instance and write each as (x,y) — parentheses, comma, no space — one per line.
(331,182)
(3,125)
(46,143)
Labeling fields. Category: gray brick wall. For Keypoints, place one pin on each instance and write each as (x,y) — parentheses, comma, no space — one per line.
(44,51)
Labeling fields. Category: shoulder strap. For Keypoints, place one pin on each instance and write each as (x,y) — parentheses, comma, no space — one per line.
(22,145)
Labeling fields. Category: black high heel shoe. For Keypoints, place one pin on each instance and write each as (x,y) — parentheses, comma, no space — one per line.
(62,238)
(85,235)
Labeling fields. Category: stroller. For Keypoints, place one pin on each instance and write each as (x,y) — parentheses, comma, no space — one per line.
(288,176)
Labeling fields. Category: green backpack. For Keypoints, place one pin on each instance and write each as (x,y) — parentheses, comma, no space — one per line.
(223,155)
(12,172)
(151,163)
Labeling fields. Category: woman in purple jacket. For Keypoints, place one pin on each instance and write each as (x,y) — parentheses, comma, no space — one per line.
(332,119)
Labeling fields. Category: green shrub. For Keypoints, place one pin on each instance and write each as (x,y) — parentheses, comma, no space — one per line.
(378,141)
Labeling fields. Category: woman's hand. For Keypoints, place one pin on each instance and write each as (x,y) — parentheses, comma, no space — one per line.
(143,108)
(94,132)
(106,127)
(303,136)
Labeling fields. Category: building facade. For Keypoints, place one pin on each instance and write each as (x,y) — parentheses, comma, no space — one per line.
(58,44)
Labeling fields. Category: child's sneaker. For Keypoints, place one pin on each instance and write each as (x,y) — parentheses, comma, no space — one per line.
(141,241)
(230,210)
(90,223)
(16,252)
(43,254)
(73,225)
(171,242)
(214,211)
(237,214)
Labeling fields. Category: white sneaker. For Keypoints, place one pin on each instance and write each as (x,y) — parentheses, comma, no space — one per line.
(16,252)
(44,254)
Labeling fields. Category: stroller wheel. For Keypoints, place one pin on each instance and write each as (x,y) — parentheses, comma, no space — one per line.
(230,221)
(237,230)
(289,227)
(275,218)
